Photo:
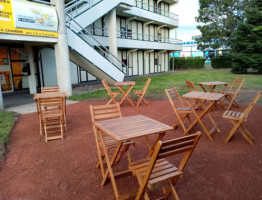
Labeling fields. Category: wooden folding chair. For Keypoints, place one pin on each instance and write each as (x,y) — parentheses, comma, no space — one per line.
(180,111)
(110,93)
(49,89)
(233,91)
(141,93)
(157,171)
(103,112)
(191,86)
(52,118)
(237,119)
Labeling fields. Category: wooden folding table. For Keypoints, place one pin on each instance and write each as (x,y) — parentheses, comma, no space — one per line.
(48,95)
(125,93)
(201,97)
(212,85)
(128,128)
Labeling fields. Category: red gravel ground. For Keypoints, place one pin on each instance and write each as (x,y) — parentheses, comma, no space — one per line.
(36,170)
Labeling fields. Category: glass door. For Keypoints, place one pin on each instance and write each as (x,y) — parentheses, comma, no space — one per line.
(20,68)
(5,71)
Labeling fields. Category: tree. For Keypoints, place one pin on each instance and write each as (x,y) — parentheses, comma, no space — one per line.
(247,40)
(219,18)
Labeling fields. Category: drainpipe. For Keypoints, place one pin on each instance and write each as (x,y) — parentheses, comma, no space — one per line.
(1,98)
(130,51)
(128,20)
(158,28)
(144,26)
(157,3)
(160,52)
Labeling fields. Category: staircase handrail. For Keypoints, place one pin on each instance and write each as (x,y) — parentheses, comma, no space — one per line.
(108,54)
(75,3)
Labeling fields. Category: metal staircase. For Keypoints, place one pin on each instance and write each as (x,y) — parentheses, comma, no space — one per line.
(84,49)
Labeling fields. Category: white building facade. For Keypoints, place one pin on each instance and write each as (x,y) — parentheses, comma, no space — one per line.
(105,39)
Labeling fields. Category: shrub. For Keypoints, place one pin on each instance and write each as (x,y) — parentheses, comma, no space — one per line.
(222,61)
(187,62)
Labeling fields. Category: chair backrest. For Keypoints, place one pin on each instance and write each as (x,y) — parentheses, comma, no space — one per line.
(235,88)
(56,103)
(251,105)
(146,85)
(191,86)
(49,89)
(183,145)
(102,112)
(236,85)
(173,95)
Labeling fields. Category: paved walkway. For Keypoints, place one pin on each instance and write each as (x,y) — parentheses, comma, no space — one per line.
(30,108)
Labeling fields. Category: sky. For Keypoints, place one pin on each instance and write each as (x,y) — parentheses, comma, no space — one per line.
(187,11)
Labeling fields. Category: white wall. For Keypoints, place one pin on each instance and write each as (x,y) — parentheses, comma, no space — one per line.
(48,67)
(73,73)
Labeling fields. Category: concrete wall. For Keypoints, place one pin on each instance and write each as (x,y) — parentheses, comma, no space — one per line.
(48,68)
(48,65)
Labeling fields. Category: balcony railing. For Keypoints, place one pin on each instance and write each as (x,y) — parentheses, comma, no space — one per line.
(128,34)
(155,9)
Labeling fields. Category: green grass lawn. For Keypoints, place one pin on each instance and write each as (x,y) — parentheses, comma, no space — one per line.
(160,82)
(7,121)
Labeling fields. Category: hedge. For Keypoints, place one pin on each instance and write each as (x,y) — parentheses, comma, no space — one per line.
(187,62)
(221,61)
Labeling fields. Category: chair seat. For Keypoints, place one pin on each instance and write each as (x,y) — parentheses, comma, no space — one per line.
(228,93)
(109,142)
(162,171)
(138,92)
(183,108)
(228,114)
(51,114)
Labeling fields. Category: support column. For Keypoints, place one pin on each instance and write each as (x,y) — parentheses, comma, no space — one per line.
(31,78)
(61,51)
(112,32)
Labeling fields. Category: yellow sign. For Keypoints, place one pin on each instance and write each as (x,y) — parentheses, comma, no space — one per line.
(14,14)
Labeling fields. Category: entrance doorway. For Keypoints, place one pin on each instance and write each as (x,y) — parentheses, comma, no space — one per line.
(5,71)
(20,68)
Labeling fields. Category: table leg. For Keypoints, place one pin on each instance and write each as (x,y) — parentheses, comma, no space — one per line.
(109,164)
(202,87)
(39,115)
(199,117)
(125,94)
(212,88)
(160,137)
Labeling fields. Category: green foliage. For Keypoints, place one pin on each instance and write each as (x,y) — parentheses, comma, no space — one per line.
(156,89)
(7,121)
(220,18)
(222,61)
(187,62)
(247,40)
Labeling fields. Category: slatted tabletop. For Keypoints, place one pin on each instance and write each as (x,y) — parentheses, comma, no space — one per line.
(49,95)
(213,83)
(125,83)
(125,128)
(204,96)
